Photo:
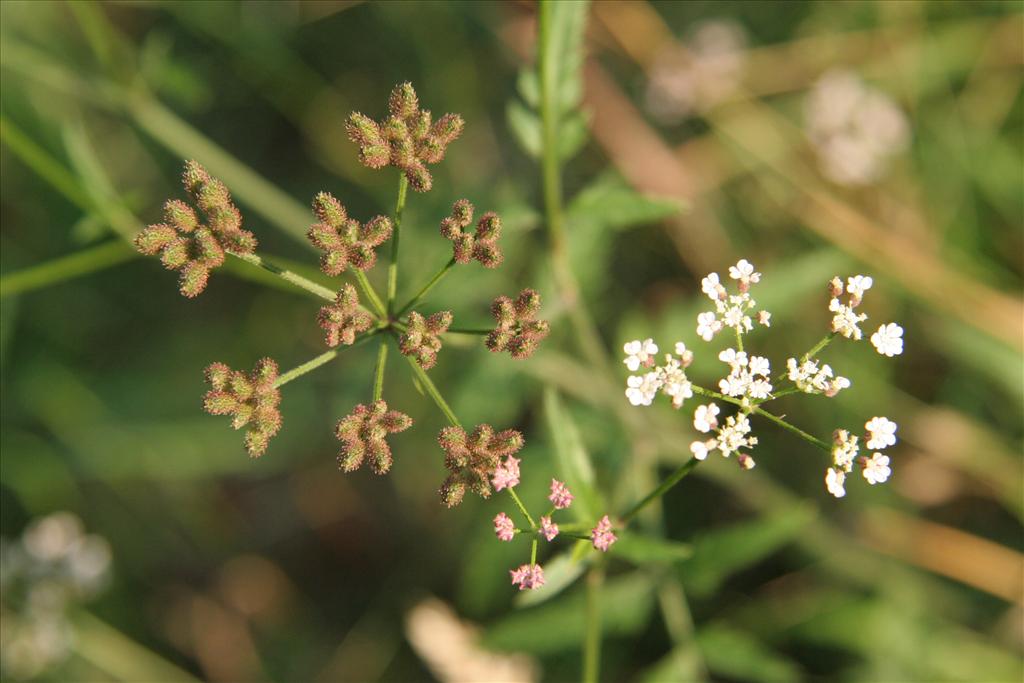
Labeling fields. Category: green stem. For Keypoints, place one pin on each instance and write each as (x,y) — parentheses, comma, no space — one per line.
(818,347)
(426,288)
(369,292)
(739,340)
(378,377)
(403,188)
(592,638)
(533,551)
(661,490)
(287,275)
(522,508)
(67,267)
(314,363)
(796,430)
(431,389)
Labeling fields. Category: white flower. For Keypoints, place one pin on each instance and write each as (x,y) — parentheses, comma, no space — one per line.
(705,417)
(857,285)
(673,381)
(708,326)
(834,480)
(888,340)
(759,365)
(733,435)
(759,388)
(744,272)
(844,449)
(700,449)
(881,432)
(642,388)
(764,318)
(712,287)
(685,355)
(836,385)
(639,353)
(876,469)
(745,461)
(846,320)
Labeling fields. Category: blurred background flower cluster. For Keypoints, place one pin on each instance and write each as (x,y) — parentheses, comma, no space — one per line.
(813,138)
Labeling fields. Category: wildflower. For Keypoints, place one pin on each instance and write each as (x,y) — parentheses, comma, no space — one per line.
(673,381)
(748,375)
(764,318)
(407,139)
(641,389)
(185,244)
(745,461)
(881,432)
(481,246)
(518,330)
(362,434)
(700,449)
(834,480)
(845,320)
(473,458)
(708,326)
(733,435)
(639,353)
(504,529)
(856,286)
(685,355)
(811,379)
(601,535)
(252,399)
(344,319)
(548,529)
(528,576)
(844,449)
(705,418)
(744,272)
(560,496)
(422,337)
(888,340)
(345,241)
(876,468)
(506,475)
(711,286)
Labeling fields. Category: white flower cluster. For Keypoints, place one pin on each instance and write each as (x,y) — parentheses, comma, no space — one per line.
(881,433)
(748,376)
(729,438)
(812,378)
(855,129)
(748,384)
(669,378)
(731,310)
(697,76)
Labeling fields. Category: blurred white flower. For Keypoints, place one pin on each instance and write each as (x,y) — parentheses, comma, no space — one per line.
(881,432)
(698,74)
(705,418)
(855,129)
(639,353)
(844,449)
(888,340)
(876,468)
(641,389)
(708,326)
(834,480)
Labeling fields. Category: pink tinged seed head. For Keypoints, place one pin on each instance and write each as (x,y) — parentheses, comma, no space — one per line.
(602,536)
(560,496)
(548,529)
(506,475)
(504,529)
(528,576)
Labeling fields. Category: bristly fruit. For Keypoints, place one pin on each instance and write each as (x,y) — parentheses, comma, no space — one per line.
(482,245)
(518,330)
(343,320)
(471,459)
(362,434)
(345,241)
(251,399)
(422,337)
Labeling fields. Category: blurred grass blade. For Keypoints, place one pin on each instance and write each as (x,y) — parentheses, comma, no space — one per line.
(643,550)
(66,268)
(43,164)
(737,655)
(723,552)
(559,625)
(121,657)
(571,458)
(93,179)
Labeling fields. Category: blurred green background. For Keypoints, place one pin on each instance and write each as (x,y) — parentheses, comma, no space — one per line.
(283,569)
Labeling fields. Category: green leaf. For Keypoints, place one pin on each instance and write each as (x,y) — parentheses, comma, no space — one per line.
(556,626)
(528,86)
(643,550)
(525,126)
(735,654)
(572,135)
(571,458)
(610,204)
(562,49)
(720,553)
(559,573)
